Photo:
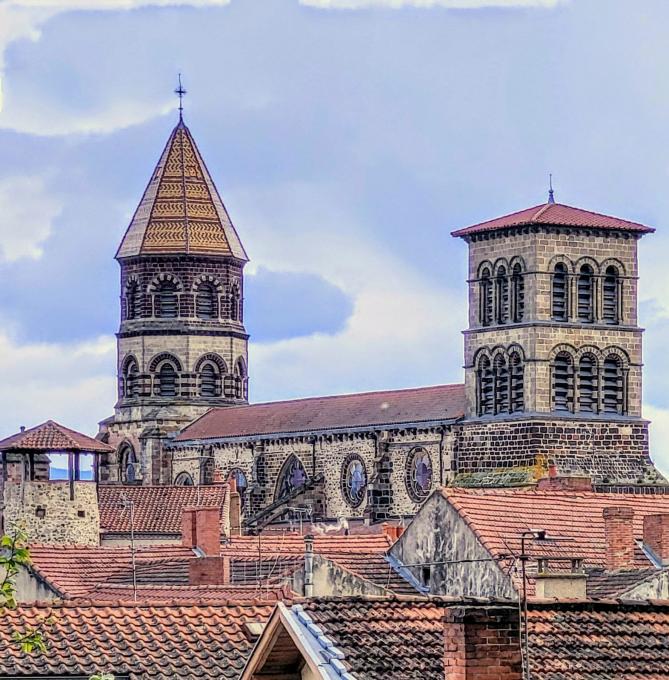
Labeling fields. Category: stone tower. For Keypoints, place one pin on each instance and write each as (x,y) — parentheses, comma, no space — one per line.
(182,345)
(553,349)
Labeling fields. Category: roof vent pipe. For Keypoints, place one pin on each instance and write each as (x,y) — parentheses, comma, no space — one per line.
(308,566)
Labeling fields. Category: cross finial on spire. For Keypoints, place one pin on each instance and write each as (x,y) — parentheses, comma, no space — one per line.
(180,92)
(551,196)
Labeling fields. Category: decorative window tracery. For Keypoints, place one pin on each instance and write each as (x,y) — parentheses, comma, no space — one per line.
(419,474)
(292,477)
(354,480)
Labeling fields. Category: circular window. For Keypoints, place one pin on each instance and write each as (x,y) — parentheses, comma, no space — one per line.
(354,480)
(419,474)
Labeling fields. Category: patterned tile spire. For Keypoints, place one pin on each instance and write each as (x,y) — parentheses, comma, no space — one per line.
(181,210)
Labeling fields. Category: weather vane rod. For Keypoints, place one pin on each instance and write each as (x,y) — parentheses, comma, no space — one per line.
(551,196)
(180,92)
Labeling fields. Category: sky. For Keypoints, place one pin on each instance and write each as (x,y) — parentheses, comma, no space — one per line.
(348,138)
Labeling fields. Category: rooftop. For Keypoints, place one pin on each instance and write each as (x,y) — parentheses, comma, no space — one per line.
(556,214)
(391,407)
(51,436)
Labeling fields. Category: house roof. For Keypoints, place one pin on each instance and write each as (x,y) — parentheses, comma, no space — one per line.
(51,436)
(181,210)
(392,407)
(377,569)
(499,516)
(555,214)
(142,641)
(593,641)
(156,509)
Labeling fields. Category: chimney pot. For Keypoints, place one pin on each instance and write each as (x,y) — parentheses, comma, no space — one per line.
(619,537)
(656,536)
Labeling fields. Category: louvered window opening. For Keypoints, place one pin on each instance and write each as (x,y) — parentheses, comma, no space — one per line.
(167,301)
(502,283)
(517,384)
(486,388)
(501,385)
(133,301)
(587,385)
(612,386)
(485,304)
(167,381)
(560,294)
(518,285)
(585,290)
(234,306)
(563,383)
(209,383)
(205,302)
(132,381)
(610,288)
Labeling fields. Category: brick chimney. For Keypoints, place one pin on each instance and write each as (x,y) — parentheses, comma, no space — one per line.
(656,536)
(619,537)
(555,482)
(201,528)
(209,571)
(235,508)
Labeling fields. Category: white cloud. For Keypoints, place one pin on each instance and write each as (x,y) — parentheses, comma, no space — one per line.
(27,211)
(427,4)
(71,383)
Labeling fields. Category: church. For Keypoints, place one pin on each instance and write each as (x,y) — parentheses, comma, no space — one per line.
(552,369)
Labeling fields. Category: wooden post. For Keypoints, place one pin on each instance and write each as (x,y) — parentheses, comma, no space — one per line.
(70,473)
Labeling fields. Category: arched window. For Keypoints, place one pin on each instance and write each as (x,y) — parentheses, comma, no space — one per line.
(129,465)
(240,479)
(419,474)
(166,300)
(184,479)
(501,390)
(485,298)
(353,480)
(563,382)
(517,371)
(613,393)
(131,380)
(235,304)
(611,296)
(210,380)
(560,302)
(518,292)
(502,286)
(166,383)
(585,294)
(486,386)
(292,477)
(588,384)
(240,380)
(133,300)
(205,301)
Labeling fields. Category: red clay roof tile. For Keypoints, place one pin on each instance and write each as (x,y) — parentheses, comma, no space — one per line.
(51,436)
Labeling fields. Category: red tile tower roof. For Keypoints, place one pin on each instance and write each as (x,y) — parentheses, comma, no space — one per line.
(421,404)
(51,436)
(555,214)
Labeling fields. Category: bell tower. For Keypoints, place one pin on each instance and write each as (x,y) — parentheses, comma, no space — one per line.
(182,345)
(553,361)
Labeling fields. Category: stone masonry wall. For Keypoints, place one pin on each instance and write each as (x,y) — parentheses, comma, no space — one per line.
(65,521)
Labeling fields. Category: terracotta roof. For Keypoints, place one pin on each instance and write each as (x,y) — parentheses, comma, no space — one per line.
(499,516)
(377,569)
(157,509)
(555,214)
(598,641)
(181,210)
(51,436)
(383,638)
(142,641)
(603,584)
(393,407)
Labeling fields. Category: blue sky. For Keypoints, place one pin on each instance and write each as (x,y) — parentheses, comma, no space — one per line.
(348,138)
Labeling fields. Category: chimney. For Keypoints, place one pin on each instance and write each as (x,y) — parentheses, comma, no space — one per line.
(562,584)
(555,482)
(235,508)
(308,566)
(209,571)
(619,537)
(201,529)
(656,537)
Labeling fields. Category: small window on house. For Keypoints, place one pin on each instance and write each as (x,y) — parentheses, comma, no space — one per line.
(611,296)
(210,382)
(585,294)
(518,285)
(563,383)
(167,380)
(502,285)
(485,297)
(517,383)
(58,466)
(587,384)
(613,398)
(486,387)
(560,302)
(501,388)
(205,301)
(166,300)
